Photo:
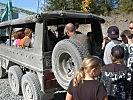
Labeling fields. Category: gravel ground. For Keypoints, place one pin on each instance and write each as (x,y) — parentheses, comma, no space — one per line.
(5,91)
(7,94)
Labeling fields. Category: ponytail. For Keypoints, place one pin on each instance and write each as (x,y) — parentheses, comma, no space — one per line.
(88,63)
(80,75)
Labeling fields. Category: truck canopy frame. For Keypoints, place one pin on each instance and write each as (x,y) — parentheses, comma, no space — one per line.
(56,16)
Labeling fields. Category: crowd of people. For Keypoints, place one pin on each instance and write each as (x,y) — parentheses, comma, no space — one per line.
(23,37)
(114,79)
(97,79)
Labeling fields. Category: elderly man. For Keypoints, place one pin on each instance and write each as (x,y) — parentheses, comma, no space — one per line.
(70,31)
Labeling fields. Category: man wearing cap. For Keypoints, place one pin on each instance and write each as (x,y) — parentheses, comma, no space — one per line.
(113,34)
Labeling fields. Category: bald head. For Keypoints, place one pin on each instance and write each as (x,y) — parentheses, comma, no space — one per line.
(70,29)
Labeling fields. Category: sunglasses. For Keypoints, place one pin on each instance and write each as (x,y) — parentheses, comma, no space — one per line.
(131,28)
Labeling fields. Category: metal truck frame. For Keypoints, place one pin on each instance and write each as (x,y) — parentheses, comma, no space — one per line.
(36,71)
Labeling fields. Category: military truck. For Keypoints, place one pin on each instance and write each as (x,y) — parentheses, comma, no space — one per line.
(48,67)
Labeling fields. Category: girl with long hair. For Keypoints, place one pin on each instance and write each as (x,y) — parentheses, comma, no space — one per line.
(84,86)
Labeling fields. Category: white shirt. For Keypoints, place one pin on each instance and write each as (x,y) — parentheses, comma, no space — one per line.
(107,51)
(130,58)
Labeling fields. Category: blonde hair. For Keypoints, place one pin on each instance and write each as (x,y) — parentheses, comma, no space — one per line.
(88,64)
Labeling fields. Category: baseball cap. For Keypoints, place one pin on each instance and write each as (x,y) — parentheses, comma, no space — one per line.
(113,32)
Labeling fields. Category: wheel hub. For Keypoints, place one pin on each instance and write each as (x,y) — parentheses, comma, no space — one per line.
(13,82)
(67,64)
(70,66)
(28,92)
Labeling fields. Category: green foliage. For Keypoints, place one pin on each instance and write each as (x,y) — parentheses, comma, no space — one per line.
(77,4)
(87,5)
(92,6)
(101,7)
(125,6)
(63,4)
(56,5)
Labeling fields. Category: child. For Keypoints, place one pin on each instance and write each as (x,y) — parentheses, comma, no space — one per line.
(26,41)
(84,86)
(19,33)
(116,76)
(13,36)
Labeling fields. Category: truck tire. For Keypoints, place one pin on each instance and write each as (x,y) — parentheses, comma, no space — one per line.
(14,76)
(2,70)
(67,58)
(31,87)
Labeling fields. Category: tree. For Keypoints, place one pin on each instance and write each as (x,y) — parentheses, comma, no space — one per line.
(96,6)
(56,5)
(63,4)
(77,4)
(102,7)
(125,6)
(87,5)
(92,6)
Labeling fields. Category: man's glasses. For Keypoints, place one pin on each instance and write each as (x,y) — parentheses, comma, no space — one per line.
(131,28)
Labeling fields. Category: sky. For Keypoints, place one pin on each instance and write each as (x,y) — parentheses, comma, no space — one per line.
(31,5)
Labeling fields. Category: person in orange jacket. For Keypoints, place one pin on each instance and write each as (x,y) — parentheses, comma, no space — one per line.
(26,41)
